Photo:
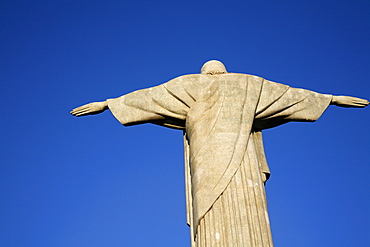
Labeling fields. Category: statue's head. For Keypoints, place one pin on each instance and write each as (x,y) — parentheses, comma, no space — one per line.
(213,67)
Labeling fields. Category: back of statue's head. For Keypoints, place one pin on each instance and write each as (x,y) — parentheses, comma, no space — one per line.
(213,67)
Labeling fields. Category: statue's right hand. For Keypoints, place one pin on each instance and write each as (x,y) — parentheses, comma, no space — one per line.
(90,109)
(348,101)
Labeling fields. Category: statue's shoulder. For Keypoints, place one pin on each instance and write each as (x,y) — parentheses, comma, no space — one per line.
(244,76)
(188,77)
(192,76)
(189,80)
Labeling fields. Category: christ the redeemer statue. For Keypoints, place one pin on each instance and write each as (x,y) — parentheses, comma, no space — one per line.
(222,115)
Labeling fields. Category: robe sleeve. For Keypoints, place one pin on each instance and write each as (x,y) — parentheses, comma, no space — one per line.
(166,104)
(280,104)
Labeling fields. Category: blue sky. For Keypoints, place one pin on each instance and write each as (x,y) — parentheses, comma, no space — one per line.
(67,181)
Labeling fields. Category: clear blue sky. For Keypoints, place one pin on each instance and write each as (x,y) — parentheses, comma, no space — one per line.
(67,181)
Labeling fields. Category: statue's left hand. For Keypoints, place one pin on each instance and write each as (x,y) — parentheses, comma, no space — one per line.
(90,109)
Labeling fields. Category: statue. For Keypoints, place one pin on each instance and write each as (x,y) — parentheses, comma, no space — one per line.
(222,116)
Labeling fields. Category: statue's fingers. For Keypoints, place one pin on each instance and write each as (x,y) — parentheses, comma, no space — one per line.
(75,111)
(82,113)
(81,108)
(362,102)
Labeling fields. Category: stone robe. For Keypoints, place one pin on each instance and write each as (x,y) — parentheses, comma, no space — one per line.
(222,117)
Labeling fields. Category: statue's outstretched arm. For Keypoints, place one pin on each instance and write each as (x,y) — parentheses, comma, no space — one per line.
(348,101)
(90,109)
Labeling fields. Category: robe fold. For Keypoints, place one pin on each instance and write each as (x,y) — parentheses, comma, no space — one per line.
(222,117)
